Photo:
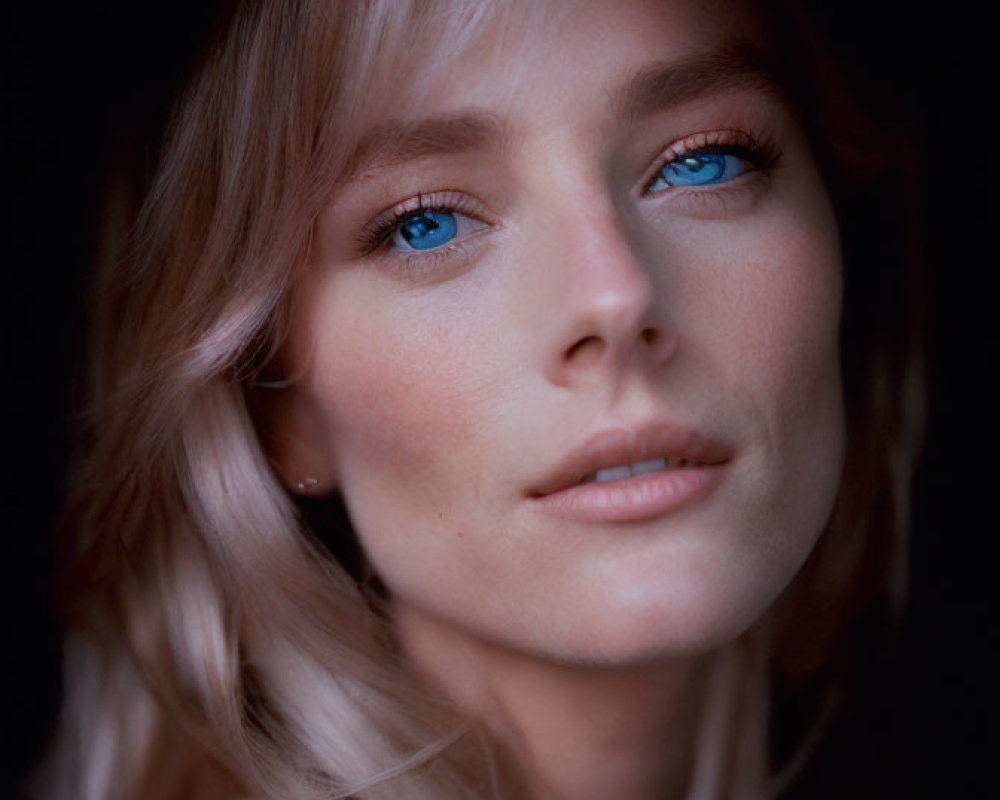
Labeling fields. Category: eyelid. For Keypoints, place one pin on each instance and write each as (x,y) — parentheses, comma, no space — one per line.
(760,153)
(379,229)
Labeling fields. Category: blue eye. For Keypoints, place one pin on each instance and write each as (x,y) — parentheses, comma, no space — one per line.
(698,169)
(425,230)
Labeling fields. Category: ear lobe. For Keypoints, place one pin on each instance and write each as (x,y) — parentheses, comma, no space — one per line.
(292,433)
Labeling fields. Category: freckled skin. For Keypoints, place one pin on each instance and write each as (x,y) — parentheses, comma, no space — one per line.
(438,400)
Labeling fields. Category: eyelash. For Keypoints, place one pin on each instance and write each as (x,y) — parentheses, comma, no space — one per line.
(376,234)
(760,153)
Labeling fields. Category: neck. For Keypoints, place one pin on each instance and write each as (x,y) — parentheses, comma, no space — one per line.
(574,731)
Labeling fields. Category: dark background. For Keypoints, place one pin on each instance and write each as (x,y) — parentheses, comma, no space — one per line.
(84,82)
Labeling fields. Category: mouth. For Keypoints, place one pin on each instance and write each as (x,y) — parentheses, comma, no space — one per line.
(632,474)
(625,471)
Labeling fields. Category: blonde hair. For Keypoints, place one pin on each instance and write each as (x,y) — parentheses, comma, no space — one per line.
(215,647)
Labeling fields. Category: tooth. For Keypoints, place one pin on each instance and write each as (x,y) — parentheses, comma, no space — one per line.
(613,474)
(645,467)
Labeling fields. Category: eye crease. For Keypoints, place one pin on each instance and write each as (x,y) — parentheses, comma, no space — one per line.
(710,159)
(699,169)
(437,222)
(426,223)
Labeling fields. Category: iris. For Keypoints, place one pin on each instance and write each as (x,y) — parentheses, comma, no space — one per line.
(425,230)
(698,169)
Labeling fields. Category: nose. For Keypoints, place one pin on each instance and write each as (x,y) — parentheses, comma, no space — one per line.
(611,316)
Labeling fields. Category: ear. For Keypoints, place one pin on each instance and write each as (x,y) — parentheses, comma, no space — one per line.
(293,433)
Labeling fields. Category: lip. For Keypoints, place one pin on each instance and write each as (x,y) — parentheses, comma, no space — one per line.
(637,497)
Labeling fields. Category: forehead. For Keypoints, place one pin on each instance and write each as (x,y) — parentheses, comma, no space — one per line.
(553,63)
(586,42)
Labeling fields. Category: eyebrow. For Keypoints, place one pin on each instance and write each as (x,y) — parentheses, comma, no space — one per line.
(736,65)
(396,141)
(658,87)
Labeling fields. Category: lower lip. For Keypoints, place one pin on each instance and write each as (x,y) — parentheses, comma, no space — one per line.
(641,497)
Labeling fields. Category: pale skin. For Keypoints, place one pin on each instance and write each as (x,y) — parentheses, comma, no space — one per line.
(440,390)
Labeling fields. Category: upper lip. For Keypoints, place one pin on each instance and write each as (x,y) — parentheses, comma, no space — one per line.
(612,447)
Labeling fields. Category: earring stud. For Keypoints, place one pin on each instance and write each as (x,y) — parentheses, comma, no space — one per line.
(306,484)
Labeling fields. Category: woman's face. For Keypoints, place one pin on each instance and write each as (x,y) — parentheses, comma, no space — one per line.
(568,341)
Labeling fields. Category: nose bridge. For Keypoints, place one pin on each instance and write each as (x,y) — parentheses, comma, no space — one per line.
(608,309)
(610,287)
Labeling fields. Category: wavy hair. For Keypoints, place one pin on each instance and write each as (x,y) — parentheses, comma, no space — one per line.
(215,646)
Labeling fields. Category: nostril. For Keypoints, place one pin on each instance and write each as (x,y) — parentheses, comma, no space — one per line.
(587,346)
(650,336)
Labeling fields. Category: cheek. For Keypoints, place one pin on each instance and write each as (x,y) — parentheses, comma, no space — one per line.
(763,308)
(768,304)
(795,329)
(788,328)
(787,363)
(402,390)
(407,394)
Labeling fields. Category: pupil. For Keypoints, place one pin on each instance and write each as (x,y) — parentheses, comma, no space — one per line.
(426,229)
(418,227)
(694,163)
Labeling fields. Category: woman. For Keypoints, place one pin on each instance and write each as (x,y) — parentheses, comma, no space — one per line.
(554,299)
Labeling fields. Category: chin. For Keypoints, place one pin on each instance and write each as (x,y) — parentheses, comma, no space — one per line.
(694,620)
